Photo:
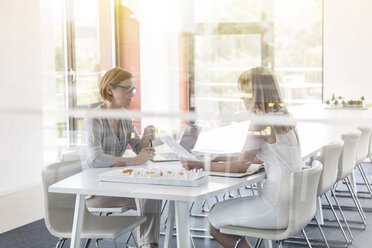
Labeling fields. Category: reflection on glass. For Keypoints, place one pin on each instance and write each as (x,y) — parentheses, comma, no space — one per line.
(219,59)
(87,50)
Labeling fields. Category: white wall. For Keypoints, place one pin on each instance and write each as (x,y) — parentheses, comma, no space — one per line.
(21,153)
(348,48)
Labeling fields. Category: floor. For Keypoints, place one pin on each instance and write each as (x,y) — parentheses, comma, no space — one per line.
(20,208)
(25,206)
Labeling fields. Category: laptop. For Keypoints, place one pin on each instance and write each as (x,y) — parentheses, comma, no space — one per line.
(183,149)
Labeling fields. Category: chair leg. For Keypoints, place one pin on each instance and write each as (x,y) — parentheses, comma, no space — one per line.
(162,210)
(97,240)
(231,195)
(191,207)
(87,243)
(342,214)
(57,245)
(336,217)
(356,200)
(365,178)
(252,189)
(127,242)
(165,204)
(322,233)
(192,242)
(60,242)
(134,238)
(239,193)
(115,244)
(258,243)
(238,241)
(280,245)
(208,208)
(306,238)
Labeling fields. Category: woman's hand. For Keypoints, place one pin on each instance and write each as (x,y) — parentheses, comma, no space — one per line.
(191,164)
(149,133)
(145,155)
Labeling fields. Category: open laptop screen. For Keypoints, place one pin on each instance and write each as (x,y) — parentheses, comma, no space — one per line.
(190,136)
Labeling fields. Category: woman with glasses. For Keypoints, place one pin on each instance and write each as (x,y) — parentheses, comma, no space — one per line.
(105,141)
(276,145)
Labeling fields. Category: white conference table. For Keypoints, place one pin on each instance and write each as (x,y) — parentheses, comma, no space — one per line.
(87,183)
(316,127)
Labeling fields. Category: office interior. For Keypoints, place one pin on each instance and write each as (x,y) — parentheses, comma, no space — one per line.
(186,56)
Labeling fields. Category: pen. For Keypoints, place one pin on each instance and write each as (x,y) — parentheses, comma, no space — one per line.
(150,142)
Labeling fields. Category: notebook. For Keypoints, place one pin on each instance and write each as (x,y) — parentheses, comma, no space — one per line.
(252,169)
(182,149)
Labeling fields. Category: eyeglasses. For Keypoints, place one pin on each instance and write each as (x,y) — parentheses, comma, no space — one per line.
(128,89)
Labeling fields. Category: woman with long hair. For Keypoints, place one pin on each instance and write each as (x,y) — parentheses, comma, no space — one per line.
(275,145)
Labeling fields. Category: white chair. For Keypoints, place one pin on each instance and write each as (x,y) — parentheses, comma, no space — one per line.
(346,167)
(107,211)
(362,154)
(370,148)
(330,157)
(59,210)
(364,141)
(302,207)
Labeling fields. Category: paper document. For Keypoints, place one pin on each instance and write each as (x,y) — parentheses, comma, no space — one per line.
(224,140)
(175,147)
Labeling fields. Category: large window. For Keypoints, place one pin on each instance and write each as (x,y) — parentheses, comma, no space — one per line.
(232,36)
(83,50)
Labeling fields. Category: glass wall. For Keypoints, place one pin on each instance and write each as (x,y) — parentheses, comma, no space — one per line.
(79,63)
(186,55)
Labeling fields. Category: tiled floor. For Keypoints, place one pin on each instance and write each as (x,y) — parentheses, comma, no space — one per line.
(20,208)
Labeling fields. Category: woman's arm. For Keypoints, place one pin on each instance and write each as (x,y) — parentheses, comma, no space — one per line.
(93,156)
(144,155)
(224,158)
(91,153)
(237,165)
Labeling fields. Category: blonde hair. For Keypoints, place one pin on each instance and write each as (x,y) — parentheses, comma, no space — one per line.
(112,78)
(261,83)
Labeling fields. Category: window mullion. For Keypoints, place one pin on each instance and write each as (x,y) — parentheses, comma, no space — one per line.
(71,69)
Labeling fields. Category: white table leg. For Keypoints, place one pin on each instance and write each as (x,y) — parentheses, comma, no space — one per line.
(78,221)
(268,243)
(182,222)
(169,227)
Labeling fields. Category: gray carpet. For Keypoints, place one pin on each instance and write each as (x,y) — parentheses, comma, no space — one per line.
(36,235)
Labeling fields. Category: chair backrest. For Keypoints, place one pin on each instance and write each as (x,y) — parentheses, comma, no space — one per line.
(56,204)
(302,206)
(329,158)
(363,146)
(348,156)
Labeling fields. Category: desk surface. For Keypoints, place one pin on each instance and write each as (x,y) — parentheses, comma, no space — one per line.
(313,135)
(318,126)
(87,183)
